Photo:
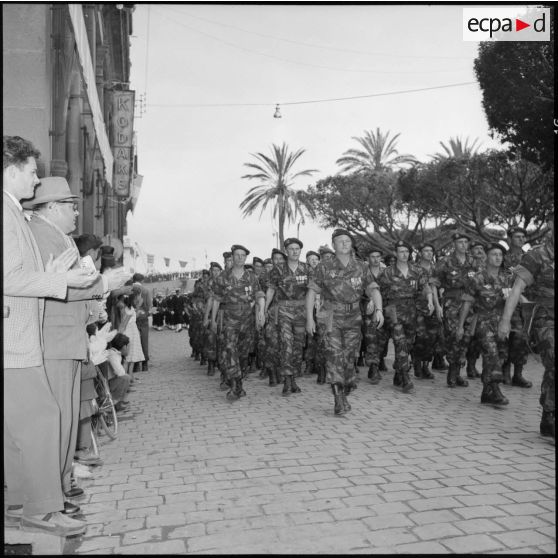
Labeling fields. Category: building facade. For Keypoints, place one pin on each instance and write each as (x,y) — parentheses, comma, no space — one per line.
(66,73)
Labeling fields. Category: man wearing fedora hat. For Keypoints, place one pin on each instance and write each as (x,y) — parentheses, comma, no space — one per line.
(31,415)
(65,338)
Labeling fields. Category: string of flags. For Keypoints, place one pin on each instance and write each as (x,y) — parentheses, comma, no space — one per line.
(151,261)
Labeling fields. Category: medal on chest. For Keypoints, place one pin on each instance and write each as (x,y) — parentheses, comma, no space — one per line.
(356,282)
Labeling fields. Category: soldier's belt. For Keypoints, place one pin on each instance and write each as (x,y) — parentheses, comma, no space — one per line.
(291,302)
(342,306)
(453,293)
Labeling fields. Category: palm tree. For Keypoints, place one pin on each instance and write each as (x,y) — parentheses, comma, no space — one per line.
(378,153)
(457,148)
(275,176)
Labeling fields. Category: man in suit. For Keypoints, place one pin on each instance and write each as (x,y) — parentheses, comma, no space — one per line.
(142,318)
(31,414)
(65,337)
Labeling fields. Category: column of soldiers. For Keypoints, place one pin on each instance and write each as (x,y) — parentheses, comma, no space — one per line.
(289,318)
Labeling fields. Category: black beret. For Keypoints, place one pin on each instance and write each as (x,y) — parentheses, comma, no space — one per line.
(514,230)
(267,261)
(249,266)
(340,232)
(290,241)
(312,253)
(427,244)
(227,255)
(402,244)
(277,251)
(478,243)
(205,271)
(375,250)
(239,247)
(255,259)
(459,235)
(495,246)
(325,250)
(215,264)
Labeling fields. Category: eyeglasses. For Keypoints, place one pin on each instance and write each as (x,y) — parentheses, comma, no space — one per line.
(76,208)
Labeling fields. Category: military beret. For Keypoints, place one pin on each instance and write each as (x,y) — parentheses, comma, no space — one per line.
(312,253)
(290,241)
(375,251)
(277,251)
(427,244)
(478,243)
(267,261)
(249,266)
(495,246)
(205,271)
(239,247)
(514,230)
(340,232)
(459,235)
(255,259)
(325,250)
(402,244)
(215,264)
(227,255)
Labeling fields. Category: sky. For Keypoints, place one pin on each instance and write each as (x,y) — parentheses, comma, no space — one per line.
(192,157)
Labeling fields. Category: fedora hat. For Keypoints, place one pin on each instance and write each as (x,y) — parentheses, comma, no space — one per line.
(51,189)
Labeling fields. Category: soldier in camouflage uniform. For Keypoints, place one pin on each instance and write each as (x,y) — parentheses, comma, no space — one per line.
(451,274)
(221,364)
(486,292)
(374,337)
(310,350)
(402,285)
(255,357)
(536,271)
(210,339)
(518,348)
(287,285)
(200,295)
(428,324)
(237,289)
(341,282)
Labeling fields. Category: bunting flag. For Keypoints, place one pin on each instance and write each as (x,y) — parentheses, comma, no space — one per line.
(182,263)
(150,259)
(167,261)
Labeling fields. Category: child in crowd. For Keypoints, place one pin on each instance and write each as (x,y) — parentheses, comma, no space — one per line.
(119,381)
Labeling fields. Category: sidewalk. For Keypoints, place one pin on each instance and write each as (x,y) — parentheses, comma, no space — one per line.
(433,472)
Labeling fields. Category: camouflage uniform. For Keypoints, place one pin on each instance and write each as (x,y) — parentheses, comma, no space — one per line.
(340,317)
(374,338)
(199,296)
(400,295)
(270,355)
(237,297)
(537,271)
(210,336)
(290,296)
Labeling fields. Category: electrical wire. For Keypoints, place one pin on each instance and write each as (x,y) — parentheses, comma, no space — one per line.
(310,45)
(401,92)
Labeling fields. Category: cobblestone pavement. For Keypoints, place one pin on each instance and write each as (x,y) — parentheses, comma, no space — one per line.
(433,472)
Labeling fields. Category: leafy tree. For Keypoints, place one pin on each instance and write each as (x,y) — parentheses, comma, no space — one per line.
(456,147)
(378,153)
(517,82)
(275,175)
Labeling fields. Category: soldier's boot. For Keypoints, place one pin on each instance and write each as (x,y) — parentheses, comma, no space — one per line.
(360,361)
(382,367)
(426,372)
(472,371)
(417,367)
(252,361)
(439,363)
(273,378)
(239,389)
(486,395)
(498,396)
(461,382)
(309,367)
(287,386)
(259,363)
(453,372)
(346,404)
(374,374)
(397,379)
(232,394)
(224,382)
(210,367)
(518,379)
(321,375)
(338,408)
(406,382)
(547,424)
(506,373)
(294,387)
(203,360)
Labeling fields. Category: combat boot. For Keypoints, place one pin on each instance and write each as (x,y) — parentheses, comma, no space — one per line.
(547,424)
(232,394)
(272,377)
(360,361)
(346,404)
(287,386)
(338,408)
(506,372)
(486,395)
(382,367)
(406,383)
(498,396)
(453,372)
(426,372)
(374,374)
(239,389)
(417,367)
(439,363)
(294,387)
(518,379)
(321,375)
(472,371)
(397,379)
(309,367)
(224,382)
(203,360)
(211,368)
(252,361)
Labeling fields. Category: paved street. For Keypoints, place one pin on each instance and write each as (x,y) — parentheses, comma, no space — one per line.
(433,472)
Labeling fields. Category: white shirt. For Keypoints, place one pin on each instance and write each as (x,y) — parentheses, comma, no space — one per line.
(115,362)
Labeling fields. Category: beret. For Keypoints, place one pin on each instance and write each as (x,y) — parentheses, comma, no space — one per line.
(427,244)
(458,235)
(402,244)
(255,259)
(375,250)
(290,241)
(249,266)
(495,246)
(277,251)
(239,247)
(267,261)
(205,271)
(340,232)
(325,250)
(215,264)
(477,243)
(227,255)
(514,230)
(312,253)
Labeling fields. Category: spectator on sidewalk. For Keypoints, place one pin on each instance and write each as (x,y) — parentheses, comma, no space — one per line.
(119,381)
(142,318)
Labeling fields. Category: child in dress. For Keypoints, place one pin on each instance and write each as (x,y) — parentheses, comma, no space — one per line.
(129,328)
